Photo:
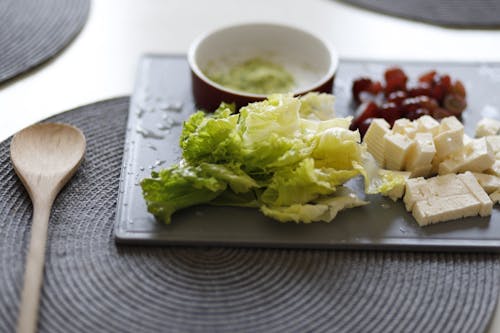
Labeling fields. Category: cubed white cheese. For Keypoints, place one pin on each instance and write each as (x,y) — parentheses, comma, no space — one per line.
(487,126)
(396,149)
(447,197)
(414,191)
(427,124)
(495,196)
(477,156)
(405,127)
(374,139)
(495,169)
(489,183)
(478,192)
(441,209)
(494,142)
(420,155)
(450,137)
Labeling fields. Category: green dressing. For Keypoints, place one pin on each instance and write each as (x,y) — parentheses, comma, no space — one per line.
(256,76)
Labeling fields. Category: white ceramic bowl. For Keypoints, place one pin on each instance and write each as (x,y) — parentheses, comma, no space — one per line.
(311,60)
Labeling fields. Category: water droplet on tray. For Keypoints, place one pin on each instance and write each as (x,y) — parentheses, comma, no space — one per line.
(385,206)
(147,134)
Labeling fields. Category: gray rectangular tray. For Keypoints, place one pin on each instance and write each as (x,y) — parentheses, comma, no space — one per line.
(162,100)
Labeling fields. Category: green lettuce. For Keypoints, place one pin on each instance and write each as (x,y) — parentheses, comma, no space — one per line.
(285,155)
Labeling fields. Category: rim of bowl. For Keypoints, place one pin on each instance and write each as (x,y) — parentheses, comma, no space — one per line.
(334,59)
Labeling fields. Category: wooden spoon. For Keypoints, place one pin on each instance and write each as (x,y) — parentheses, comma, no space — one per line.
(45,156)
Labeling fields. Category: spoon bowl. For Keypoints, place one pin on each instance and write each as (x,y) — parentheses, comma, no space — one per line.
(44,156)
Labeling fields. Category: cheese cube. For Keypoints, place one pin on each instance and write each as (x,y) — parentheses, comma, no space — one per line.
(494,142)
(421,154)
(495,169)
(450,137)
(396,149)
(495,196)
(477,191)
(423,171)
(489,183)
(477,156)
(405,127)
(487,126)
(427,124)
(374,139)
(445,208)
(414,191)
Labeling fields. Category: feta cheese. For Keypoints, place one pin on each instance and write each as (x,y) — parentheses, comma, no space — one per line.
(427,124)
(450,137)
(446,208)
(487,127)
(495,196)
(396,149)
(489,183)
(494,142)
(405,127)
(477,191)
(420,155)
(374,139)
(447,197)
(477,156)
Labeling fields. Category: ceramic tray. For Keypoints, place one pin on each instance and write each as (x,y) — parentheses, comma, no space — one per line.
(162,100)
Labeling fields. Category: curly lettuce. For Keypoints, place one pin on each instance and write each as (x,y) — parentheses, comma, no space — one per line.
(285,155)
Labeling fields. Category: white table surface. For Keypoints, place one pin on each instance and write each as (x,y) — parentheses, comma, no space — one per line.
(101,62)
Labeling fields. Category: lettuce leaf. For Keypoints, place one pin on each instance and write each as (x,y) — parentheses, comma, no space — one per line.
(284,155)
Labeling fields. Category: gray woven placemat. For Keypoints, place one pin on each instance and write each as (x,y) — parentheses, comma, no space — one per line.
(453,13)
(93,285)
(34,31)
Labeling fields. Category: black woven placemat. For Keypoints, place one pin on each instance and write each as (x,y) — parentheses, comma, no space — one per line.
(453,13)
(32,32)
(93,285)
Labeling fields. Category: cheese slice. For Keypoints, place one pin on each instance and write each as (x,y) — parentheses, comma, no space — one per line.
(487,127)
(445,208)
(374,139)
(396,150)
(447,197)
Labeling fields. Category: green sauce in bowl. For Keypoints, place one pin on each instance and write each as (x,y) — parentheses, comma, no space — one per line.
(256,76)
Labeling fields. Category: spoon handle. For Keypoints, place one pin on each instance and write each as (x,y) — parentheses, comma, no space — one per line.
(33,276)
